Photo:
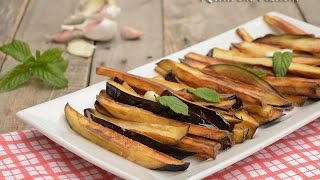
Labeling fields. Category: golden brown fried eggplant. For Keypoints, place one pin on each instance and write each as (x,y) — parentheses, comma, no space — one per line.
(121,145)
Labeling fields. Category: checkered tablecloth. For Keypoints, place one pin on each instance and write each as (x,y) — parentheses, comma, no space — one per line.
(30,155)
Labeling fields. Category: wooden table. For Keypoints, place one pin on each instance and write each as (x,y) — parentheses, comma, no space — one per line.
(168,26)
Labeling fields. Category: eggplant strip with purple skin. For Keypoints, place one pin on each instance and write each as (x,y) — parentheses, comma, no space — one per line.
(118,144)
(242,75)
(296,100)
(133,80)
(310,92)
(140,135)
(293,81)
(248,93)
(294,68)
(165,134)
(306,43)
(207,150)
(282,24)
(261,50)
(197,114)
(267,112)
(132,113)
(209,60)
(170,150)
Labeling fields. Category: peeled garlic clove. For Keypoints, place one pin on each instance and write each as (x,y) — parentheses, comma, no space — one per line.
(80,47)
(150,95)
(100,30)
(130,33)
(65,36)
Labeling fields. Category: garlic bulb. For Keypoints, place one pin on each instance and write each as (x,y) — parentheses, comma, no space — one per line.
(80,47)
(98,30)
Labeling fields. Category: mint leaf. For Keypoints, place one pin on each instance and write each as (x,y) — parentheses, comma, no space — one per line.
(51,55)
(62,65)
(175,104)
(18,50)
(281,62)
(51,75)
(256,72)
(204,93)
(14,78)
(54,57)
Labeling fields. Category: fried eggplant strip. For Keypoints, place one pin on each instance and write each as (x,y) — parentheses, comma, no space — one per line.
(121,145)
(301,69)
(244,35)
(262,50)
(282,24)
(296,100)
(305,43)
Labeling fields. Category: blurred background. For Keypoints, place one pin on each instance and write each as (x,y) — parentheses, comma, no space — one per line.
(167,26)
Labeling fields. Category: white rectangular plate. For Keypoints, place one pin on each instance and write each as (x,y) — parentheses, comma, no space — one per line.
(49,119)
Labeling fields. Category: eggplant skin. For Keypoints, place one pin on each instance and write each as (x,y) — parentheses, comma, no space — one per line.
(118,144)
(198,115)
(164,148)
(170,77)
(172,167)
(238,104)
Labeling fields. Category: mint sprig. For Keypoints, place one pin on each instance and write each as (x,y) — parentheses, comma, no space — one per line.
(206,94)
(281,62)
(175,104)
(49,67)
(18,50)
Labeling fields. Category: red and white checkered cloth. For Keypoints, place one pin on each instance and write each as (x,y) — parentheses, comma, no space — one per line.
(30,155)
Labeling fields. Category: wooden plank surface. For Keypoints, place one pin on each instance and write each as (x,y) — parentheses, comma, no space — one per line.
(42,17)
(145,15)
(310,10)
(187,22)
(11,14)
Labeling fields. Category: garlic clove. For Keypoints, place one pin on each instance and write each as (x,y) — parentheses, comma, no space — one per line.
(65,36)
(150,95)
(100,30)
(130,33)
(80,47)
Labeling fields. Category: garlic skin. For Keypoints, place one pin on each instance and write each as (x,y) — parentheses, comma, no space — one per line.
(80,47)
(130,33)
(111,11)
(84,9)
(65,36)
